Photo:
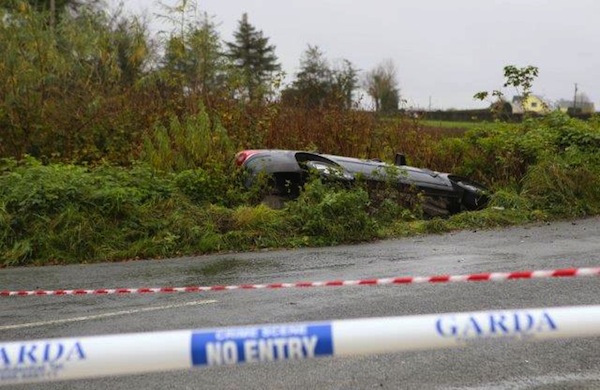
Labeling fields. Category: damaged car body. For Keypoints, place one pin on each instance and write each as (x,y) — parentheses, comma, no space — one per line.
(289,170)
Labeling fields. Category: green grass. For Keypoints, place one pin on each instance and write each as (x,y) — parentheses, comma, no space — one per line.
(456,125)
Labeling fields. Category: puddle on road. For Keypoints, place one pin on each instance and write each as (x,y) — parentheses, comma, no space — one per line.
(211,272)
(225,271)
(226,267)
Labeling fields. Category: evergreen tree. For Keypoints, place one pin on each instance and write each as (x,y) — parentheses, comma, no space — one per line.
(206,63)
(194,59)
(253,57)
(318,84)
(313,82)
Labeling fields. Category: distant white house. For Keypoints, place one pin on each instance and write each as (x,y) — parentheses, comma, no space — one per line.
(584,107)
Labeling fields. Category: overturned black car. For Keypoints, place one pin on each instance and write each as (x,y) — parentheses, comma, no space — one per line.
(288,171)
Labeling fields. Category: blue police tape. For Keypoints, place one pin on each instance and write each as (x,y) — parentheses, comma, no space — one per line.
(86,357)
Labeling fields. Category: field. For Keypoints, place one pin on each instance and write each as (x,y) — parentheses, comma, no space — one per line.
(455,125)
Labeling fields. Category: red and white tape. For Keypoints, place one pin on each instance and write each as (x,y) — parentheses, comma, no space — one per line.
(480,277)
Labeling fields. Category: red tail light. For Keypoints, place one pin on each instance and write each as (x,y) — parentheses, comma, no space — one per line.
(243,156)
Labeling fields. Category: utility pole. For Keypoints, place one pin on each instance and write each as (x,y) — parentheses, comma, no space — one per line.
(575,100)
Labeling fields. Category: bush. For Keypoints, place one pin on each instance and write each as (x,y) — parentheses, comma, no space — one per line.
(567,185)
(190,143)
(61,212)
(201,186)
(509,199)
(330,214)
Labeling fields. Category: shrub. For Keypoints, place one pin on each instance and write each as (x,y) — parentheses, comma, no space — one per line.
(193,142)
(331,214)
(201,186)
(260,227)
(509,199)
(62,213)
(565,185)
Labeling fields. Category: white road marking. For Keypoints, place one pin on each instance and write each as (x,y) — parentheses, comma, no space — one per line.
(105,315)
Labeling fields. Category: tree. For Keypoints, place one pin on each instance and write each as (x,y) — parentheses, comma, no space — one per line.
(193,64)
(206,62)
(60,88)
(318,84)
(345,82)
(133,51)
(254,58)
(194,58)
(521,79)
(312,84)
(55,8)
(381,84)
(47,5)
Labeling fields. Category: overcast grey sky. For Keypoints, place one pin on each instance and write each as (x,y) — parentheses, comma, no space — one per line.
(444,50)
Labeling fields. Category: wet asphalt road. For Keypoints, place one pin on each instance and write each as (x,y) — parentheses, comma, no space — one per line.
(570,364)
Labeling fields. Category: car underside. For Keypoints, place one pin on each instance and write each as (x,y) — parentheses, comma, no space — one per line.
(287,170)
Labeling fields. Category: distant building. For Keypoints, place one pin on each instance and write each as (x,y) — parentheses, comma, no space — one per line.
(582,107)
(533,103)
